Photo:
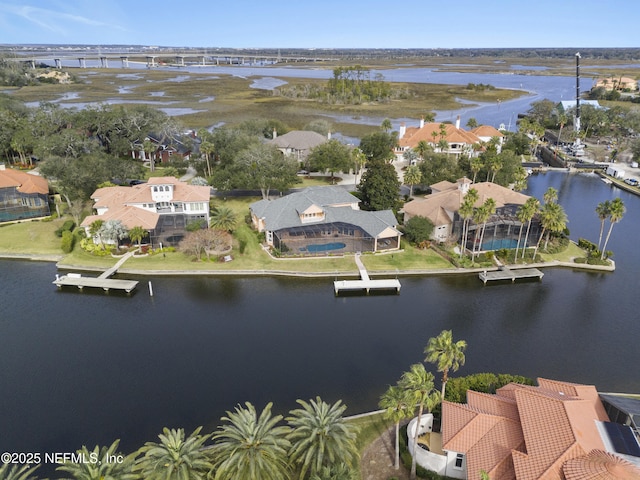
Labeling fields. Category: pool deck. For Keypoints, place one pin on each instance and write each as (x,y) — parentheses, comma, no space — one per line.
(365,283)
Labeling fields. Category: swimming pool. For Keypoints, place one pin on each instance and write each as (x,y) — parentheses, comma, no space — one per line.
(498,243)
(325,247)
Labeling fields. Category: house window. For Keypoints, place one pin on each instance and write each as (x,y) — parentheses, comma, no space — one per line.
(459,459)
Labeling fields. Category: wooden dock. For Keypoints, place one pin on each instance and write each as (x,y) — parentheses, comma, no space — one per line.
(365,283)
(505,273)
(77,280)
(103,281)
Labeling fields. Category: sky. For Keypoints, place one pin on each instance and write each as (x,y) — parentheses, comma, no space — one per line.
(323,24)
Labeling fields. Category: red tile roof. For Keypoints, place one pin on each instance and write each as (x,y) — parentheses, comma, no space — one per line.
(24,182)
(599,465)
(524,432)
(430,133)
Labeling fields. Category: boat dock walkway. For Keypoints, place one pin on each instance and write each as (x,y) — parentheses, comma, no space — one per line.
(505,273)
(103,281)
(365,283)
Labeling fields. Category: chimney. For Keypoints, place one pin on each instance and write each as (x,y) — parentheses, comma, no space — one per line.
(275,133)
(421,122)
(458,122)
(403,130)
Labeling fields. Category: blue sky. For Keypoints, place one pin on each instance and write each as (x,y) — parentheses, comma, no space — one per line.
(323,24)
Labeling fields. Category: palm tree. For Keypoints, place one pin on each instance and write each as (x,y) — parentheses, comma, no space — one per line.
(602,210)
(531,206)
(466,213)
(320,436)
(10,471)
(480,217)
(208,148)
(251,447)
(523,216)
(553,219)
(175,457)
(489,207)
(396,407)
(386,125)
(616,212)
(550,196)
(443,145)
(562,120)
(94,230)
(149,151)
(446,354)
(422,148)
(359,159)
(476,165)
(412,176)
(101,464)
(223,218)
(137,233)
(418,385)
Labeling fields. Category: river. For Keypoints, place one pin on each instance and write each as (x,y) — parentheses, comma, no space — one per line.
(87,368)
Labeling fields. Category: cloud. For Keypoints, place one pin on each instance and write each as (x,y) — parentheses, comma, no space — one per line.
(58,22)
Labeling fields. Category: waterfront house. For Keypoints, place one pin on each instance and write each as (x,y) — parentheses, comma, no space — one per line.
(166,148)
(443,204)
(22,195)
(555,431)
(298,143)
(459,141)
(324,220)
(163,207)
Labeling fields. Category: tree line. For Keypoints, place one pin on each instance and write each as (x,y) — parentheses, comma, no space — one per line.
(313,442)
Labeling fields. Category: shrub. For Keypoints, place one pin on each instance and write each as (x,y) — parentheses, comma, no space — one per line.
(67,226)
(418,229)
(68,240)
(242,245)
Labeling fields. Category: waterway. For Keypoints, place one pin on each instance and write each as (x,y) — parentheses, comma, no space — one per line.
(87,368)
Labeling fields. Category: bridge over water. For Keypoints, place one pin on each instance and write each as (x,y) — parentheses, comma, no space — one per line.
(165,59)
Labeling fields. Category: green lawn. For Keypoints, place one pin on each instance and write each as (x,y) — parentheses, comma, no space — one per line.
(31,237)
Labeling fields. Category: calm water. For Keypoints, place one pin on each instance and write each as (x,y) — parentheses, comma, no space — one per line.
(83,368)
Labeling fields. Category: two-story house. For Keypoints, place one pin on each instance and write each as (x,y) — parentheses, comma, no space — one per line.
(163,207)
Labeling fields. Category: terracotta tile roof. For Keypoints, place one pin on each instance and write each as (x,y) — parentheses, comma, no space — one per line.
(430,133)
(129,216)
(110,197)
(450,200)
(600,465)
(24,182)
(524,432)
(487,131)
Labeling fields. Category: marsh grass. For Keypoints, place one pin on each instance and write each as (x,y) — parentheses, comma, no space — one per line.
(236,102)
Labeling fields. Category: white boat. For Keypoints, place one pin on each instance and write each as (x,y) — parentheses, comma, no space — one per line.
(606,180)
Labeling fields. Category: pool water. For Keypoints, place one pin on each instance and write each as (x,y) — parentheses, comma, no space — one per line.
(497,244)
(325,247)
